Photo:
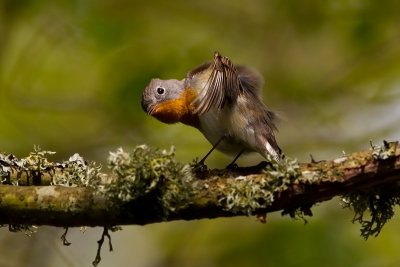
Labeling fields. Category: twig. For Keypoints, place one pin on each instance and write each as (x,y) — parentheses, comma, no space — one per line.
(100,244)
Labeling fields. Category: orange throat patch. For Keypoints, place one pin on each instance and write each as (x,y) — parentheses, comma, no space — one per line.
(178,110)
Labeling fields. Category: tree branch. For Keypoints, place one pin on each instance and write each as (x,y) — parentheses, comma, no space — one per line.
(147,186)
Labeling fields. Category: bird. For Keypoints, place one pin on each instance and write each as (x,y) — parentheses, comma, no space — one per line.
(223,101)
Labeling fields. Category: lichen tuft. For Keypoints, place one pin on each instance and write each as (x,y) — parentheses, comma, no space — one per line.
(76,172)
(247,195)
(384,152)
(144,170)
(282,173)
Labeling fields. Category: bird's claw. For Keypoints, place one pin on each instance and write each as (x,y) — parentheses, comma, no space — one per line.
(200,166)
(232,166)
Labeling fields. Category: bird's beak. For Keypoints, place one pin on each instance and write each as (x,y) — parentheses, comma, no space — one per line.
(147,106)
(151,110)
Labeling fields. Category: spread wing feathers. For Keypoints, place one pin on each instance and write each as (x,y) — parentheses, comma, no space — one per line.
(223,85)
(252,81)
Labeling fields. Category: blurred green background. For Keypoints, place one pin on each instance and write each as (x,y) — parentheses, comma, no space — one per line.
(71,77)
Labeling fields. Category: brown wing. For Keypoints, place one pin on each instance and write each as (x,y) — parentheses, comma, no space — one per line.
(252,81)
(222,86)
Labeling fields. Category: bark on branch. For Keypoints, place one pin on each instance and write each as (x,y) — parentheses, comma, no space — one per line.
(206,194)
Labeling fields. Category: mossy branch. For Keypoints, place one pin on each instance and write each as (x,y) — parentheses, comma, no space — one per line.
(147,186)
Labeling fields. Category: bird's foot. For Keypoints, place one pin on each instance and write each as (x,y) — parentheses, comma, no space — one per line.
(232,166)
(199,166)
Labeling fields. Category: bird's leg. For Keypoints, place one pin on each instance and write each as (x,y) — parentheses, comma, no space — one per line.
(201,162)
(232,165)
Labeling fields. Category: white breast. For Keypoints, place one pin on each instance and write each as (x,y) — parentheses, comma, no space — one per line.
(232,124)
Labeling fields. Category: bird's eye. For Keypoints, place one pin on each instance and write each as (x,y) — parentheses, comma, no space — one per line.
(160,90)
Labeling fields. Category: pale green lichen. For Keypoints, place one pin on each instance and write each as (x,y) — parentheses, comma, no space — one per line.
(144,170)
(73,172)
(384,152)
(77,172)
(247,195)
(312,176)
(34,164)
(282,173)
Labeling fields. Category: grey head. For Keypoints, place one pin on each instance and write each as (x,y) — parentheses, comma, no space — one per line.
(159,91)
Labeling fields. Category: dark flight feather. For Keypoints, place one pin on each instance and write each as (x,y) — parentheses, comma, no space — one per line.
(225,83)
(222,86)
(252,81)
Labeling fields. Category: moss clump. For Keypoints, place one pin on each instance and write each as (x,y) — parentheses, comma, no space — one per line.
(248,195)
(143,170)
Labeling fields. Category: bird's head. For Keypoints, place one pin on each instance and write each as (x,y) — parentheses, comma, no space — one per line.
(165,100)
